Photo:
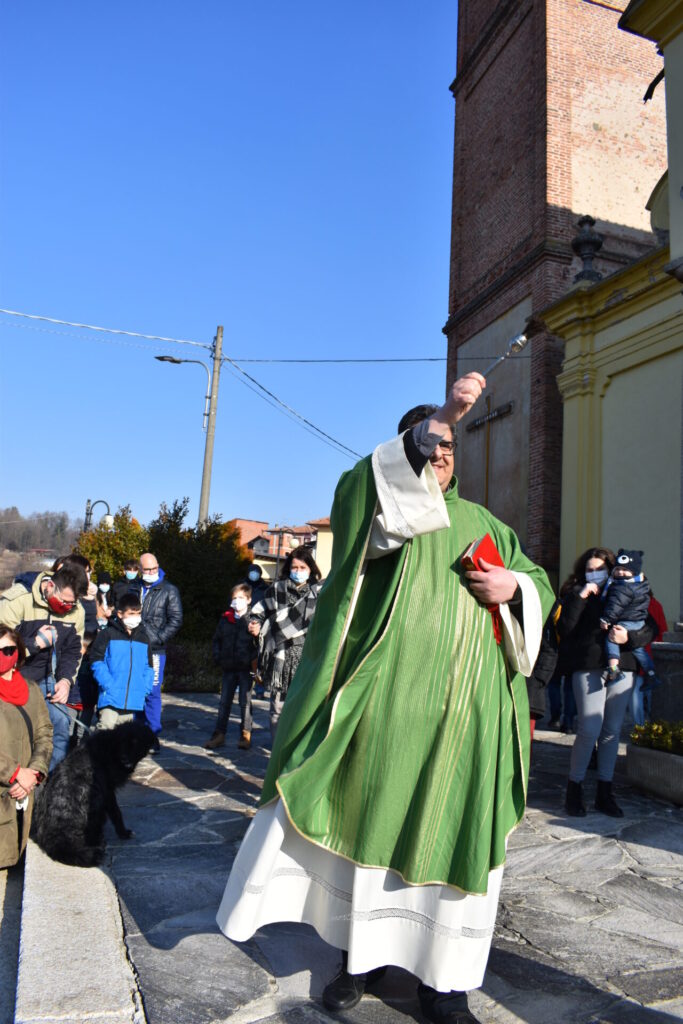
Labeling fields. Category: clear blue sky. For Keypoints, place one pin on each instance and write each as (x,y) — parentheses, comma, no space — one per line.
(283,169)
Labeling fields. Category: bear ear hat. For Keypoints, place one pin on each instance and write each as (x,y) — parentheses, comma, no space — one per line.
(623,558)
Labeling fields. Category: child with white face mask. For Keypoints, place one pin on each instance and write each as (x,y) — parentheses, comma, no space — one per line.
(121,661)
(234,650)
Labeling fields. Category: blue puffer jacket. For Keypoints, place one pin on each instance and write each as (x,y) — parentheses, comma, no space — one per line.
(626,600)
(122,665)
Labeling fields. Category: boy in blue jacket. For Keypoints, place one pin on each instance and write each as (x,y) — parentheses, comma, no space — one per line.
(121,661)
(626,601)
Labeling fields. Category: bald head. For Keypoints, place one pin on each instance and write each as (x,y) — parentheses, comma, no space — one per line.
(148,563)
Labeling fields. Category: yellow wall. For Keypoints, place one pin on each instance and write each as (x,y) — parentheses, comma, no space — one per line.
(641,458)
(622,387)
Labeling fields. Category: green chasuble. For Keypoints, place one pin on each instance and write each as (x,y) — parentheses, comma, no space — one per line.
(407,746)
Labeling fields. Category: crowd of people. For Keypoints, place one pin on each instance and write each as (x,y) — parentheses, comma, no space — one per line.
(409,658)
(71,648)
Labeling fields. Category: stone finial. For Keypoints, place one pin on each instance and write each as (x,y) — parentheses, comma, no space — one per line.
(586,244)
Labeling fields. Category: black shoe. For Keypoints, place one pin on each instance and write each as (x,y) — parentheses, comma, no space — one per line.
(605,802)
(574,801)
(554,724)
(444,1007)
(346,990)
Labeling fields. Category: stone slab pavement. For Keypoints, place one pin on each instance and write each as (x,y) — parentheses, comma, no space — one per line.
(590,926)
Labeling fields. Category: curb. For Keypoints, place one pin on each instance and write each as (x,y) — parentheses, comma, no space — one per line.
(73,964)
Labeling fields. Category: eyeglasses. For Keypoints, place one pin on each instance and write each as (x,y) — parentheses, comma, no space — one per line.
(9,650)
(69,604)
(446,446)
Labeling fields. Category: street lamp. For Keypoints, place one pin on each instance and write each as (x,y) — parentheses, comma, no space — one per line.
(107,518)
(198,362)
(209,420)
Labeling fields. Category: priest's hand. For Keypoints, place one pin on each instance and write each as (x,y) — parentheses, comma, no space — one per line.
(462,396)
(493,585)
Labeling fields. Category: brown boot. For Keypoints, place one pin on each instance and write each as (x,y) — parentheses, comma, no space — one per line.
(217,740)
(245,740)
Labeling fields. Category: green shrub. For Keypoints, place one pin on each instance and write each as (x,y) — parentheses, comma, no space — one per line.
(190,668)
(666,736)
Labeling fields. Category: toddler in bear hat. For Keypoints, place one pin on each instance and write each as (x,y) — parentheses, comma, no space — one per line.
(627,598)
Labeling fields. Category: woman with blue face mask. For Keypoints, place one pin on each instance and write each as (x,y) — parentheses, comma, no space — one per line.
(281,619)
(601,707)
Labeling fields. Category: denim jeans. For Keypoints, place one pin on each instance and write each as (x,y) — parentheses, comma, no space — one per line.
(61,717)
(640,654)
(601,711)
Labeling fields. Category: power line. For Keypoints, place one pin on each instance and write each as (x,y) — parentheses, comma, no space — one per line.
(273,405)
(290,410)
(106,330)
(416,359)
(240,359)
(318,432)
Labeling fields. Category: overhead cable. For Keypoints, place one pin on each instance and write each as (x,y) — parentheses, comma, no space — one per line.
(289,408)
(106,330)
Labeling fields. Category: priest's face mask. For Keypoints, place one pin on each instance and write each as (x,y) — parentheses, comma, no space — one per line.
(442,461)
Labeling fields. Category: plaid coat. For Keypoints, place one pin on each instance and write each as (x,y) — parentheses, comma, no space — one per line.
(284,614)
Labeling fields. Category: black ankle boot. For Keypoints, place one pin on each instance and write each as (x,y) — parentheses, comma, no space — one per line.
(574,801)
(444,1007)
(605,802)
(346,990)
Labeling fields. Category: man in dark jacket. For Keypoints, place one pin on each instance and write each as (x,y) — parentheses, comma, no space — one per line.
(162,617)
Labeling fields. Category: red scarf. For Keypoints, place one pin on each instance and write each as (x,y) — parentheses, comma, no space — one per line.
(14,690)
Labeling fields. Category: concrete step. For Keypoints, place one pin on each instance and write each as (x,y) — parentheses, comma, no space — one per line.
(73,964)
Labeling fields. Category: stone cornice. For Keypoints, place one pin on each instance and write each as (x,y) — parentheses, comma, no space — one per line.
(618,297)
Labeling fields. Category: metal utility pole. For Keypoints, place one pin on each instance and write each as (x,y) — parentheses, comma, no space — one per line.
(210,429)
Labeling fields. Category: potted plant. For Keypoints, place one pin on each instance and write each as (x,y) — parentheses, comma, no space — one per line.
(654,759)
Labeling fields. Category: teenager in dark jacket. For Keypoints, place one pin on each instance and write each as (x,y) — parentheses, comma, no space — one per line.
(600,707)
(234,650)
(121,661)
(626,602)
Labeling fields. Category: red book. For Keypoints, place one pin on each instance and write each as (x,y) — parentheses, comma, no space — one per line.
(485,548)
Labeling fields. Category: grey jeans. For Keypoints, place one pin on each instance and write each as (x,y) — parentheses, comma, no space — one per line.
(276,702)
(601,711)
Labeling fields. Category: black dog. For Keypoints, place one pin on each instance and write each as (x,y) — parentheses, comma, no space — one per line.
(68,820)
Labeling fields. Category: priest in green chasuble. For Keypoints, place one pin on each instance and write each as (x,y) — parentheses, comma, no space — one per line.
(401,761)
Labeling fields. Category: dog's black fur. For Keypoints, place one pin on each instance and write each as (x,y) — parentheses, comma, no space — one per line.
(68,820)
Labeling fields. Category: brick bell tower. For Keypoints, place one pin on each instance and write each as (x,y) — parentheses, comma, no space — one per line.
(550,125)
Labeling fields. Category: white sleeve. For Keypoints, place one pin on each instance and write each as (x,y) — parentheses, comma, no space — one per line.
(409,505)
(522,643)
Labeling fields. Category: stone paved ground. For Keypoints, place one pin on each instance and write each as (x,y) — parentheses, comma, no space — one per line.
(590,927)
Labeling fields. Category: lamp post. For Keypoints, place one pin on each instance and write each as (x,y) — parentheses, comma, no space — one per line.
(107,518)
(209,419)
